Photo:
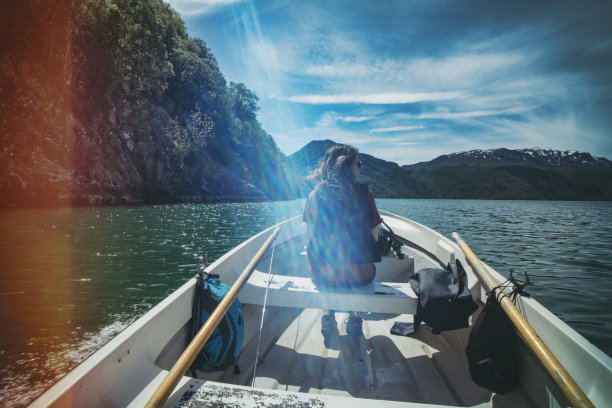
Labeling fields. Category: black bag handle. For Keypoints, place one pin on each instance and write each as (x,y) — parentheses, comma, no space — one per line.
(394,242)
(460,272)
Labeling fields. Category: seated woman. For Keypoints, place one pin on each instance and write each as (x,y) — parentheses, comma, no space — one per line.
(342,221)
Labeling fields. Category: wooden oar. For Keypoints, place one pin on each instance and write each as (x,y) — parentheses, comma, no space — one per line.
(560,376)
(163,391)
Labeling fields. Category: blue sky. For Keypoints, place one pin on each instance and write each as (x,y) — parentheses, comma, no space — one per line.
(407,81)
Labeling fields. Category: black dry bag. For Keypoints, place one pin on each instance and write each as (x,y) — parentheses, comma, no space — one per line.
(492,349)
(445,302)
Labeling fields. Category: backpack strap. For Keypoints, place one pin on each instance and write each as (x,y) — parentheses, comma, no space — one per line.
(195,324)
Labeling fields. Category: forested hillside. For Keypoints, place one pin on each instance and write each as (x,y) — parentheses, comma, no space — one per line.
(524,174)
(112,101)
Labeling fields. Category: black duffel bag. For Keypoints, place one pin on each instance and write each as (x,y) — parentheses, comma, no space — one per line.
(492,349)
(445,302)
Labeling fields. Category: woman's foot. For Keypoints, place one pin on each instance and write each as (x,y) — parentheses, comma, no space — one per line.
(354,326)
(328,328)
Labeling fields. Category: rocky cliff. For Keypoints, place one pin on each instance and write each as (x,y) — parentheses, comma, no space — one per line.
(113,103)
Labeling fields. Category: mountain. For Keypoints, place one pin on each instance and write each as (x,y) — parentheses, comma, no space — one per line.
(527,174)
(385,179)
(535,157)
(538,174)
(305,160)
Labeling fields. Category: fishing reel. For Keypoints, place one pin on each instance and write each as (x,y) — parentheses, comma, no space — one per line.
(387,241)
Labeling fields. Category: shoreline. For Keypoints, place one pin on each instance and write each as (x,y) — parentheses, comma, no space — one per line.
(239,199)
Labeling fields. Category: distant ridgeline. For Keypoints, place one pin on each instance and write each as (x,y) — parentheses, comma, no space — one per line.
(503,174)
(111,102)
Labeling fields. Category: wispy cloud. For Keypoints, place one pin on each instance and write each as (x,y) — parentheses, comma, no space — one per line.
(564,132)
(482,77)
(464,69)
(355,118)
(453,69)
(376,99)
(395,129)
(190,8)
(443,113)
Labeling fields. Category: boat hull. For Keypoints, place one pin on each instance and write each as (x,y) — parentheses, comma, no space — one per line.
(397,371)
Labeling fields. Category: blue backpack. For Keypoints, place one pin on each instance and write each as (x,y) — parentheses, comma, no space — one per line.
(225,344)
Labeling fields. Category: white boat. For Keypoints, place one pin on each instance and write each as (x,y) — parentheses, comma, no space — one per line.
(296,369)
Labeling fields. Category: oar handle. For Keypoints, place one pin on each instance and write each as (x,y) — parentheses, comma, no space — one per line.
(558,373)
(163,391)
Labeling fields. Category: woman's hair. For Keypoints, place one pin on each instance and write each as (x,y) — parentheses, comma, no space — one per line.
(335,173)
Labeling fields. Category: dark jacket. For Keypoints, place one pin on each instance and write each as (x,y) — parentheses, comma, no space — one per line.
(341,229)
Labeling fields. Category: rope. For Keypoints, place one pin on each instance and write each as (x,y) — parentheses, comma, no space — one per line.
(263,313)
(518,302)
(517,299)
(513,295)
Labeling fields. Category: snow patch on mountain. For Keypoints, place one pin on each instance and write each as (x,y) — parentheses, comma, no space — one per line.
(537,156)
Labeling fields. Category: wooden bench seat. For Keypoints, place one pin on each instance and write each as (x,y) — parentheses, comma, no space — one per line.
(300,292)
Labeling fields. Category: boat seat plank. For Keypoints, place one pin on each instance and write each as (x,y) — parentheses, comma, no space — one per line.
(300,292)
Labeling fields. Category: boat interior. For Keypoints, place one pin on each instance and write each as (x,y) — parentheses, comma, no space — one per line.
(285,360)
(286,352)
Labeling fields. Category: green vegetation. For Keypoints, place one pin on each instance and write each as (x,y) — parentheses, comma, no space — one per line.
(133,109)
(140,50)
(195,135)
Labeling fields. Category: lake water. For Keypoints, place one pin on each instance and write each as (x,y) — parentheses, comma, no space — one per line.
(74,278)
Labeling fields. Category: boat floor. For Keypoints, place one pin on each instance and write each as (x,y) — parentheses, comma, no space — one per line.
(419,368)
